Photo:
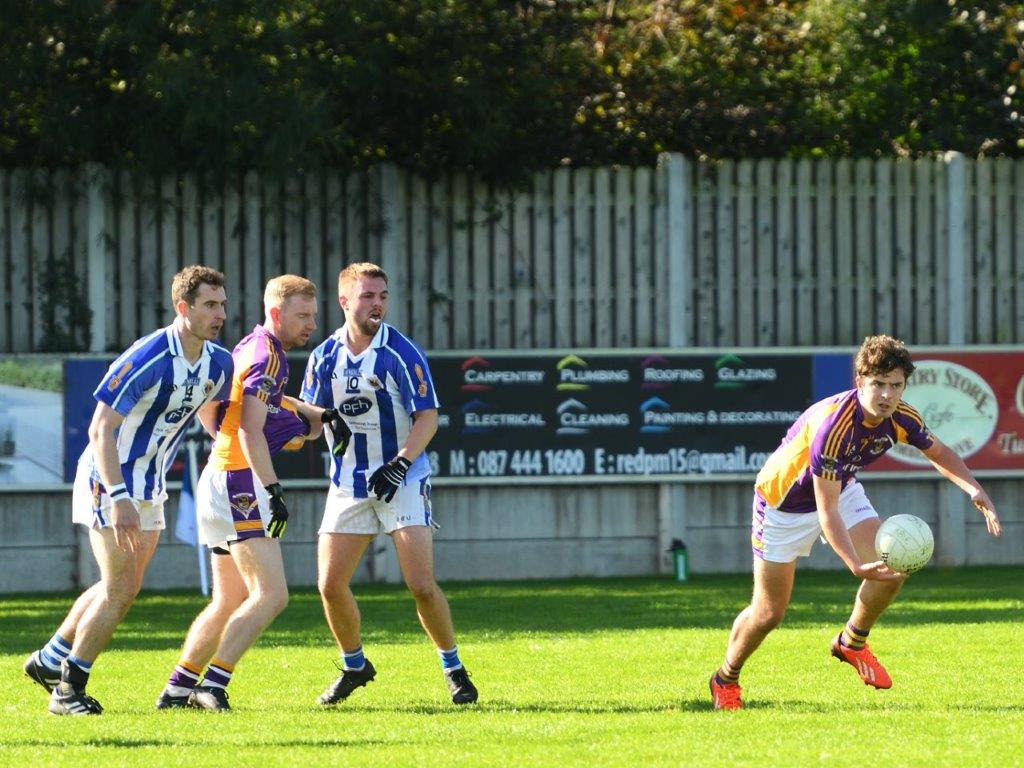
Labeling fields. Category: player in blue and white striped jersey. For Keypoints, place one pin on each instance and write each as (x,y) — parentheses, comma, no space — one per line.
(145,403)
(380,383)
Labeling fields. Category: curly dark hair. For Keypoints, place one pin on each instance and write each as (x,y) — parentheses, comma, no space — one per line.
(881,354)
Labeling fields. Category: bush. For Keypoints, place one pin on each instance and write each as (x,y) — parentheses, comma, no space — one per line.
(501,88)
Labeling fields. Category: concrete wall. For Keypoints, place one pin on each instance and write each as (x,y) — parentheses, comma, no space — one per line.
(525,532)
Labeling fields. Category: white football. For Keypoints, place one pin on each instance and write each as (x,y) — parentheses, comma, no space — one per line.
(904,543)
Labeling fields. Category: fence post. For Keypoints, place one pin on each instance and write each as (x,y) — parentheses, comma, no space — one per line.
(674,223)
(952,519)
(956,259)
(96,250)
(390,237)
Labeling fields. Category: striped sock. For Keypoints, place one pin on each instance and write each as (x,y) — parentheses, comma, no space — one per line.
(54,652)
(183,679)
(854,638)
(218,674)
(450,659)
(353,660)
(728,674)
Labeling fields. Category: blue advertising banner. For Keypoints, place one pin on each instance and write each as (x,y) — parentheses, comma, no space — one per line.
(590,415)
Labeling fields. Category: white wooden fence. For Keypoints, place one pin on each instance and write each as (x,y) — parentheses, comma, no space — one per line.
(726,253)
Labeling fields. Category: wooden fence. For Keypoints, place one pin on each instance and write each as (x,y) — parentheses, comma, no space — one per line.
(717,253)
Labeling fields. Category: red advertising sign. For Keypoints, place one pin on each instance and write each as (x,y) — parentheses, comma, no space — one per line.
(974,402)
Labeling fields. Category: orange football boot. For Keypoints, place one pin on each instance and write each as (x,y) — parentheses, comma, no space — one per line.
(725,696)
(868,667)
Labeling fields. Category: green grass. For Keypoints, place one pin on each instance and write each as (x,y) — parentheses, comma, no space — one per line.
(578,673)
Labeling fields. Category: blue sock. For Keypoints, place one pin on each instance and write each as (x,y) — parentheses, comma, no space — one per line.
(450,659)
(82,664)
(353,660)
(54,652)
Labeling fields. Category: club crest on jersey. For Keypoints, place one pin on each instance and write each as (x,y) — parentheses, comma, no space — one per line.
(829,464)
(207,388)
(421,390)
(266,385)
(116,381)
(373,381)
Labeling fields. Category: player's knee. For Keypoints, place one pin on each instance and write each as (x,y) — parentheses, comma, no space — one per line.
(332,590)
(119,593)
(769,616)
(423,589)
(276,600)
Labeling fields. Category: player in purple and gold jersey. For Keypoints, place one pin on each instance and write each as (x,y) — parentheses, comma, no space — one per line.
(808,488)
(239,499)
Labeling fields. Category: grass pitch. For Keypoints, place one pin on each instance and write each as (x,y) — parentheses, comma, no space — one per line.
(594,673)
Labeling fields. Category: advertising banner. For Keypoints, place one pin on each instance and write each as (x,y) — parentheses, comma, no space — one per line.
(608,416)
(974,402)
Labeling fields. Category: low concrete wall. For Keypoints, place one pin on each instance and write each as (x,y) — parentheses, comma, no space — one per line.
(524,532)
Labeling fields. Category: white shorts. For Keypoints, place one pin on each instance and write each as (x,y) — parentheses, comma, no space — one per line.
(90,504)
(782,537)
(344,513)
(230,506)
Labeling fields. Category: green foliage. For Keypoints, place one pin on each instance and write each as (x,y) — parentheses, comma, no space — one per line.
(499,87)
(32,373)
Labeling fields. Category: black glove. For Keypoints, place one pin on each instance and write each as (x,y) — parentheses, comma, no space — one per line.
(388,478)
(278,511)
(342,434)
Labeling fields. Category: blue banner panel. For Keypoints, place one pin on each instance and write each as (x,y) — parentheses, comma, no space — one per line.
(81,375)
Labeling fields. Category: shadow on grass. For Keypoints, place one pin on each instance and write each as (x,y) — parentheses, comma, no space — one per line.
(148,743)
(552,608)
(505,706)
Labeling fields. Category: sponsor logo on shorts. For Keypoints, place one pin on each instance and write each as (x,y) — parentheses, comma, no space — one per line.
(244,503)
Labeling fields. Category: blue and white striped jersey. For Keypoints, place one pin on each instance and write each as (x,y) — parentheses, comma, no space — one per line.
(154,388)
(376,392)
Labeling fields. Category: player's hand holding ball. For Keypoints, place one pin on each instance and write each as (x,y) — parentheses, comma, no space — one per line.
(278,511)
(388,478)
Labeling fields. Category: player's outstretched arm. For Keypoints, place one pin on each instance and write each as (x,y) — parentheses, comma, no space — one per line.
(124,517)
(311,413)
(949,464)
(826,495)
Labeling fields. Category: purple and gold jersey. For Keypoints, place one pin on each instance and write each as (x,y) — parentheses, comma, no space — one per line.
(831,440)
(261,370)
